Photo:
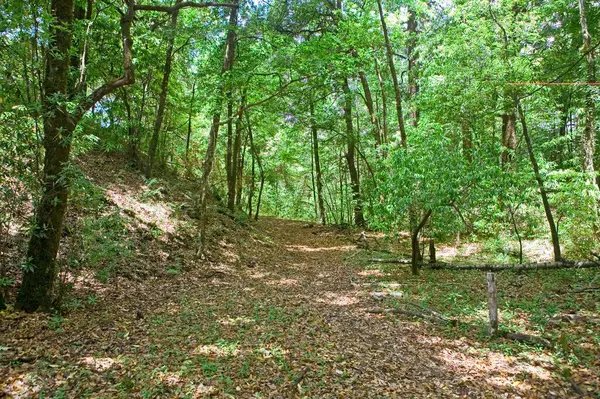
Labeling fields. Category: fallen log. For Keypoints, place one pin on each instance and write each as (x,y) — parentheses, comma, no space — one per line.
(410,313)
(437,318)
(383,260)
(529,339)
(585,264)
(565,264)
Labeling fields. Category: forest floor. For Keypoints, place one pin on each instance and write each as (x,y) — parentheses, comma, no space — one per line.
(281,310)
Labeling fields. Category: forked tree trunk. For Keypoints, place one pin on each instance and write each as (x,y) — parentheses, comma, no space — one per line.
(414,243)
(390,58)
(540,182)
(234,158)
(359,219)
(164,90)
(40,270)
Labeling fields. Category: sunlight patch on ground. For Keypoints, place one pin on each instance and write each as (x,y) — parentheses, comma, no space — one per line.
(286,282)
(259,275)
(156,213)
(501,371)
(304,248)
(338,299)
(236,321)
(21,387)
(218,350)
(371,273)
(99,364)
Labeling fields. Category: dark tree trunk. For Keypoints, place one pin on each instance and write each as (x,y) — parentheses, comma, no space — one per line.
(164,90)
(359,219)
(38,279)
(414,243)
(509,137)
(589,131)
(256,156)
(229,150)
(40,272)
(390,58)
(384,125)
(370,107)
(189,128)
(540,182)
(411,51)
(318,177)
(233,155)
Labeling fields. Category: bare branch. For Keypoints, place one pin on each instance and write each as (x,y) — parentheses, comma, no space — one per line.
(128,73)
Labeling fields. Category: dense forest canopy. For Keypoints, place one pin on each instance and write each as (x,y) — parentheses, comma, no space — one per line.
(299,198)
(447,117)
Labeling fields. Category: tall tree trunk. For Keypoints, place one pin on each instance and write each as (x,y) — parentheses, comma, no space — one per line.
(370,107)
(509,137)
(359,219)
(229,149)
(209,159)
(467,140)
(318,177)
(411,51)
(39,275)
(540,182)
(38,280)
(390,58)
(164,90)
(589,131)
(384,125)
(233,156)
(255,155)
(189,128)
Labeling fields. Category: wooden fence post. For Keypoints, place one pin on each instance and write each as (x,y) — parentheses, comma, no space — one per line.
(492,304)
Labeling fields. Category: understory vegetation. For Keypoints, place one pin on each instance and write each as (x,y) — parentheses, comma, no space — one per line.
(299,198)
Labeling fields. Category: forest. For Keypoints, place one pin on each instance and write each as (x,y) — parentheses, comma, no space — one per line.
(299,198)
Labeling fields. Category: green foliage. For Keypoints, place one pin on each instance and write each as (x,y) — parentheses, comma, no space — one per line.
(105,244)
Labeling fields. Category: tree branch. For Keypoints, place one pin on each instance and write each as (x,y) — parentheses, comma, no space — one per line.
(185,4)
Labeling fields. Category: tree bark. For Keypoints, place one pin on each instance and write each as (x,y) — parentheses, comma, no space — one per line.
(540,182)
(318,177)
(516,267)
(234,157)
(411,52)
(390,58)
(414,243)
(370,107)
(189,129)
(589,130)
(384,125)
(39,275)
(509,137)
(359,219)
(492,292)
(164,90)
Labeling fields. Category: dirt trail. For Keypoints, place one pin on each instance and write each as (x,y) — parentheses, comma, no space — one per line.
(286,320)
